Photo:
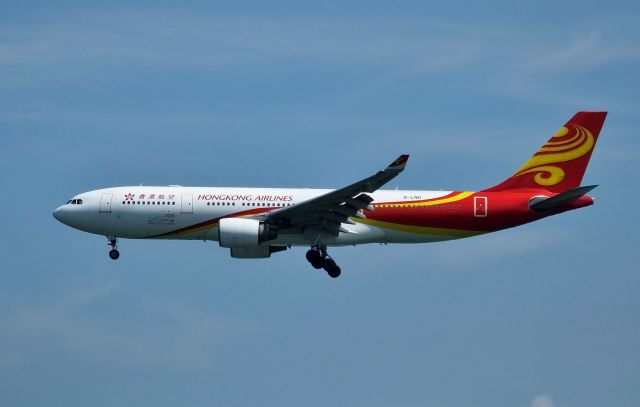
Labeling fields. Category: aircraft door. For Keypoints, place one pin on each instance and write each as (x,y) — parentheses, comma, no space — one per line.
(105,202)
(187,203)
(480,206)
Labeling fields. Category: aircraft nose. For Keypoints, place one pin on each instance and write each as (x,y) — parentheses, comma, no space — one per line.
(59,214)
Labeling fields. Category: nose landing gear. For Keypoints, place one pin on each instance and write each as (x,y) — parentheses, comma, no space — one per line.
(113,253)
(319,258)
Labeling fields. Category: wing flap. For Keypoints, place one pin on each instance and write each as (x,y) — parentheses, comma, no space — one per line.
(361,201)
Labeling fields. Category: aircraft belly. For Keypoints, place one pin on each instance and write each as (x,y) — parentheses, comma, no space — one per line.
(360,234)
(159,225)
(395,236)
(356,234)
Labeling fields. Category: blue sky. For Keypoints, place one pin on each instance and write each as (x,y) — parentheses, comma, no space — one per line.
(316,95)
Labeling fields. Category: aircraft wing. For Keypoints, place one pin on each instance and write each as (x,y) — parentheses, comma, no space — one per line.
(327,212)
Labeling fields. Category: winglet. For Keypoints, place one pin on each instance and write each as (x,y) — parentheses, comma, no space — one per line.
(399,163)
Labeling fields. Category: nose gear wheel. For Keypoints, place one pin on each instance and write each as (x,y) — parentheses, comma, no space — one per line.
(114,254)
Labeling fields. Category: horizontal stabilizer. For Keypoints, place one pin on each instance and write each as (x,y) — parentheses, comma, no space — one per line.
(561,199)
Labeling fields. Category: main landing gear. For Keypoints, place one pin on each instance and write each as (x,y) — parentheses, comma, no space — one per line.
(319,259)
(114,253)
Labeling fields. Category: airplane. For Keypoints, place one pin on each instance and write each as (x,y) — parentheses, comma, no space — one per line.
(257,222)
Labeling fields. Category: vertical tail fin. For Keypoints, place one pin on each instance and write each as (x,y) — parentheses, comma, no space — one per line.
(560,164)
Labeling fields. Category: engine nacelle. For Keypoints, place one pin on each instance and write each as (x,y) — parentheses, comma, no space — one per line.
(241,232)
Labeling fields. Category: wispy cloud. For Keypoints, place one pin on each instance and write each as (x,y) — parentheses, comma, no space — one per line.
(71,324)
(489,59)
(232,41)
(533,69)
(542,401)
(582,53)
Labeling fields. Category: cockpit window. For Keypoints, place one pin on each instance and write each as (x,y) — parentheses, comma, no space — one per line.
(79,201)
(74,202)
(68,202)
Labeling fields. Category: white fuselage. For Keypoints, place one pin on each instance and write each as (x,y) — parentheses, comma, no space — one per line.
(163,212)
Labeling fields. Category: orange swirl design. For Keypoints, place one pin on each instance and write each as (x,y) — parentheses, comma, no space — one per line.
(561,148)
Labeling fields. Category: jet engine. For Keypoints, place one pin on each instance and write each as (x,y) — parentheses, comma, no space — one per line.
(241,232)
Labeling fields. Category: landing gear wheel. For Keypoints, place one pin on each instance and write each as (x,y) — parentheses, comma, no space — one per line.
(332,268)
(315,258)
(319,259)
(334,273)
(113,242)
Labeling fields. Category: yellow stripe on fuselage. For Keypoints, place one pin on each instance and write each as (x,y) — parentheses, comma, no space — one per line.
(455,198)
(422,230)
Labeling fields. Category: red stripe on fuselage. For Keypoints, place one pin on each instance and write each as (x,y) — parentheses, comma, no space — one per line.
(503,210)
